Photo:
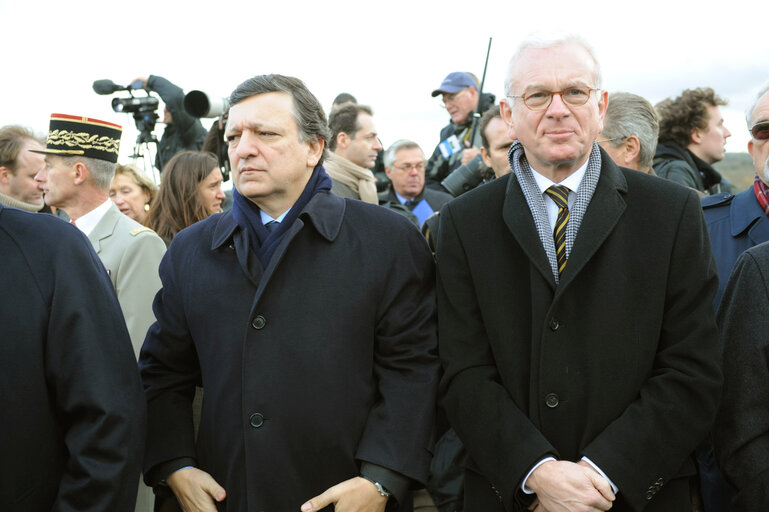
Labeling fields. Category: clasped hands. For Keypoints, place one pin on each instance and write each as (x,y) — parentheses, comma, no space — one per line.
(197,491)
(563,486)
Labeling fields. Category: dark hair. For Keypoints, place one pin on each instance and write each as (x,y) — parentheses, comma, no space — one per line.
(680,116)
(345,120)
(308,112)
(178,203)
(344,98)
(485,120)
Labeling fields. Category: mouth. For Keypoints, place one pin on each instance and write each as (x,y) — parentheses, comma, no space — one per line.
(559,135)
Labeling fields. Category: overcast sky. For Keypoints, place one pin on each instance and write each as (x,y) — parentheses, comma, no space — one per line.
(390,54)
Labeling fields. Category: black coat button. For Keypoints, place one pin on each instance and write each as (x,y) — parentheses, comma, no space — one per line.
(258,322)
(551,400)
(256,420)
(554,325)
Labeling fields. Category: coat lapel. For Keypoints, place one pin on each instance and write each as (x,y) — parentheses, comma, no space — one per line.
(104,228)
(518,219)
(603,213)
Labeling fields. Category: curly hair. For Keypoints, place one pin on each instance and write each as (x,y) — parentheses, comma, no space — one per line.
(680,116)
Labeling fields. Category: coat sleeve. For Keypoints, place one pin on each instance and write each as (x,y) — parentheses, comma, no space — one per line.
(741,433)
(675,409)
(169,371)
(508,445)
(398,433)
(189,127)
(138,282)
(93,376)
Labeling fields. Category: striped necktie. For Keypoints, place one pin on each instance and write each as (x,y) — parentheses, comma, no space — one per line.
(560,195)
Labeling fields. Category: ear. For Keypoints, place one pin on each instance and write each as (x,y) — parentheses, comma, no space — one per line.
(314,152)
(632,148)
(695,136)
(5,175)
(603,104)
(506,112)
(485,156)
(389,172)
(750,147)
(342,140)
(80,173)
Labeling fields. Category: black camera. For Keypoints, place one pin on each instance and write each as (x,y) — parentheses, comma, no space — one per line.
(466,177)
(133,104)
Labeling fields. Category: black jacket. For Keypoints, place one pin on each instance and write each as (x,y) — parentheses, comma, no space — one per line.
(185,132)
(675,163)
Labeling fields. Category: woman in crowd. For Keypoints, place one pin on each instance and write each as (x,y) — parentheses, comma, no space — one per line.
(190,191)
(132,192)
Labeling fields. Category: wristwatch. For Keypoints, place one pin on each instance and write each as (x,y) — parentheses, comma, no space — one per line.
(379,487)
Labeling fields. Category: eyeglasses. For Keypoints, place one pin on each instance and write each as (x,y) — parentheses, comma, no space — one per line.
(541,99)
(760,130)
(420,166)
(610,140)
(451,98)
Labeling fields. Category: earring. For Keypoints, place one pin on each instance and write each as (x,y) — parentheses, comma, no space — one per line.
(146,207)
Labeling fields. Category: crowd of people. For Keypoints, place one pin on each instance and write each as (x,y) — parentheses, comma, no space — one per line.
(561,308)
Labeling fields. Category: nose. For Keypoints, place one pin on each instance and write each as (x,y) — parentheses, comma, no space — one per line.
(41,176)
(727,133)
(557,107)
(378,144)
(246,145)
(219,193)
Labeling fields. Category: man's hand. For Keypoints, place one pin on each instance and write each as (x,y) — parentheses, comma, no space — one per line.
(353,495)
(195,489)
(469,153)
(563,486)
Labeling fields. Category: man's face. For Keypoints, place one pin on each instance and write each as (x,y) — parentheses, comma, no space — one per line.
(269,161)
(710,143)
(499,143)
(58,181)
(22,185)
(558,139)
(759,149)
(363,148)
(408,172)
(460,104)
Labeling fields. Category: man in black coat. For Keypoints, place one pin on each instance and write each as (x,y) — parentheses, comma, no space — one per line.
(73,410)
(575,312)
(320,370)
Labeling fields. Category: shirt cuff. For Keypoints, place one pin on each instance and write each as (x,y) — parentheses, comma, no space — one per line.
(158,474)
(397,484)
(614,488)
(524,487)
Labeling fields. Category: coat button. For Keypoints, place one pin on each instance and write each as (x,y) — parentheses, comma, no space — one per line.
(256,420)
(551,400)
(554,325)
(649,495)
(258,322)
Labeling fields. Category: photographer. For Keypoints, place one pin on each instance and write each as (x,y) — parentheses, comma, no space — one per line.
(183,131)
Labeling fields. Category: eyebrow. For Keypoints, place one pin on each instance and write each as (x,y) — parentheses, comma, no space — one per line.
(251,125)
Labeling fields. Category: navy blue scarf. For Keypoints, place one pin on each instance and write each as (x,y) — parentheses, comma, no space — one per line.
(248,216)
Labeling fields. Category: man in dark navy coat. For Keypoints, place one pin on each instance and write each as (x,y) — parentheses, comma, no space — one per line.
(319,369)
(73,411)
(576,324)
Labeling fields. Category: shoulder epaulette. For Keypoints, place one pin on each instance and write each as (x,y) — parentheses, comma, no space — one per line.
(717,200)
(142,229)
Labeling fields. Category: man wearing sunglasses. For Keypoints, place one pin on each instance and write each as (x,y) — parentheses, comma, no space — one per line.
(575,318)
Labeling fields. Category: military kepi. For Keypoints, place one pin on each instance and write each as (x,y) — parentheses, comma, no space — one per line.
(82,136)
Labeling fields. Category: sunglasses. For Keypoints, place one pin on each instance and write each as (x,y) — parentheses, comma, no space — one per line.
(760,131)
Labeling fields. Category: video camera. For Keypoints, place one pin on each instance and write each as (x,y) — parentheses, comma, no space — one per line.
(144,109)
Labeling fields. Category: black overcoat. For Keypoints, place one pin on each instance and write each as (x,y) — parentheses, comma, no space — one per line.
(73,410)
(618,363)
(325,359)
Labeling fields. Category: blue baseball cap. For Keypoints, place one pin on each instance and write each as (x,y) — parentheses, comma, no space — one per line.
(455,82)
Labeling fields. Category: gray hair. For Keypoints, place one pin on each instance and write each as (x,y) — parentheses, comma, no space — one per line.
(389,156)
(544,43)
(101,171)
(308,112)
(749,112)
(629,114)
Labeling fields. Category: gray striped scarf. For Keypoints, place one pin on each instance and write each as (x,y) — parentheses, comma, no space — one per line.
(523,173)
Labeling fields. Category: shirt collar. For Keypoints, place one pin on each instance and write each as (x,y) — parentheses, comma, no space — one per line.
(572,182)
(87,222)
(266,218)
